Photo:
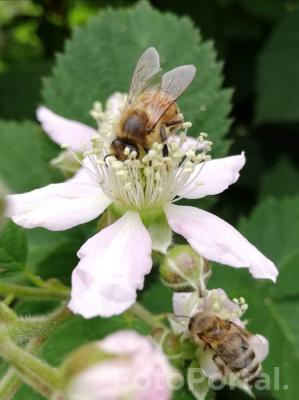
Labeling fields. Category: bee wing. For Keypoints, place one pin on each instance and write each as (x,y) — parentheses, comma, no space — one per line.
(233,347)
(146,69)
(173,84)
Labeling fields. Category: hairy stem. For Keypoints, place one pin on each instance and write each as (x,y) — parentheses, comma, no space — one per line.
(43,326)
(9,385)
(12,380)
(33,292)
(37,373)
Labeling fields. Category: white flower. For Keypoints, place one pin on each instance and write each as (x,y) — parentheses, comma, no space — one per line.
(216,303)
(136,370)
(114,261)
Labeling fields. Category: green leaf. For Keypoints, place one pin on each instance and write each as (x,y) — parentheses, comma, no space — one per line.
(273,308)
(25,156)
(100,59)
(25,81)
(13,249)
(278,78)
(274,182)
(273,229)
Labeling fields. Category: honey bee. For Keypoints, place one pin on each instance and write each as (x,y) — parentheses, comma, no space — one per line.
(151,113)
(230,344)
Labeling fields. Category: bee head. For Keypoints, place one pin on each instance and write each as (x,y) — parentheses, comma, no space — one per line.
(200,322)
(118,147)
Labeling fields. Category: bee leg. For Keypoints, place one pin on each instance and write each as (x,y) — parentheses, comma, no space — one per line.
(173,123)
(163,137)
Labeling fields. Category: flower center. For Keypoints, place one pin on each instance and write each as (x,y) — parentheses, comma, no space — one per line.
(154,180)
(151,181)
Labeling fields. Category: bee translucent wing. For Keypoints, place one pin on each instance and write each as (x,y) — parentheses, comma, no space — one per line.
(173,84)
(147,67)
(176,81)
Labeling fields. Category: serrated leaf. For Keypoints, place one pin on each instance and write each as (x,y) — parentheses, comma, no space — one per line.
(25,156)
(100,59)
(273,228)
(278,79)
(13,249)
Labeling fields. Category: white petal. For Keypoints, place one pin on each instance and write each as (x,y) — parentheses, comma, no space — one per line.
(213,177)
(260,346)
(115,104)
(65,131)
(59,206)
(184,306)
(218,241)
(112,267)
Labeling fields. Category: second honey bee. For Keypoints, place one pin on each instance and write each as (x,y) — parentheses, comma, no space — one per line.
(151,113)
(230,344)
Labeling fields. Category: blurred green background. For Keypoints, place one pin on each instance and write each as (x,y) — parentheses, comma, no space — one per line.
(258,41)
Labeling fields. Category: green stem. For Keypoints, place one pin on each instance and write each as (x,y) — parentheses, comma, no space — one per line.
(9,385)
(7,314)
(142,313)
(34,371)
(37,280)
(8,299)
(34,293)
(11,382)
(31,327)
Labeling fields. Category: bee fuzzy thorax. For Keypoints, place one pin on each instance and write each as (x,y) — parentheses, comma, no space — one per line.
(150,181)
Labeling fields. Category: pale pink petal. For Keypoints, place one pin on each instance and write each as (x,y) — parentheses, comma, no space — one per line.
(184,307)
(260,345)
(65,131)
(59,206)
(115,104)
(218,241)
(112,267)
(140,371)
(185,304)
(213,177)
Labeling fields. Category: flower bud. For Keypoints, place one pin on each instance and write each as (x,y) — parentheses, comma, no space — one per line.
(123,365)
(170,344)
(183,270)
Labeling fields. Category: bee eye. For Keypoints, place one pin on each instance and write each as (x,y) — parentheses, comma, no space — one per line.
(134,125)
(119,145)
